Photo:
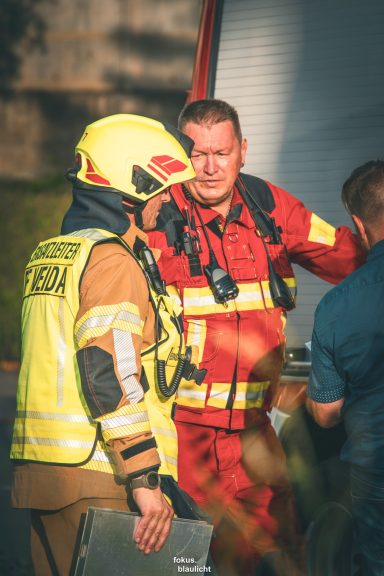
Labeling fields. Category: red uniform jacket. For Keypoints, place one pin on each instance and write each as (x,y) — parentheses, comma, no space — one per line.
(241,343)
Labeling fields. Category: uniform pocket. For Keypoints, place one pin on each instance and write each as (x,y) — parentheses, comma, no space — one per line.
(280,260)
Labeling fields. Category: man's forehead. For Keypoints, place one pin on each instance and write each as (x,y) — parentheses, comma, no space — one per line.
(226,125)
(220,134)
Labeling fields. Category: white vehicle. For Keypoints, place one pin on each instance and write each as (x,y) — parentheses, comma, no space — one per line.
(307,80)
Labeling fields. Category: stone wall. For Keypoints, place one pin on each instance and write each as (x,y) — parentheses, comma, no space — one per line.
(98,58)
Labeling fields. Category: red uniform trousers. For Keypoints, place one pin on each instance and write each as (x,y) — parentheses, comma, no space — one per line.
(240,479)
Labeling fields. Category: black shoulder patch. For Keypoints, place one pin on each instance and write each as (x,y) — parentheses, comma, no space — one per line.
(99,383)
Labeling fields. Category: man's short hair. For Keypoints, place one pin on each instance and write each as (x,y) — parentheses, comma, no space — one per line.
(363,192)
(210,112)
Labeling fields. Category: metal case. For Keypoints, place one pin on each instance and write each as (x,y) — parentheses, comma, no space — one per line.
(107,547)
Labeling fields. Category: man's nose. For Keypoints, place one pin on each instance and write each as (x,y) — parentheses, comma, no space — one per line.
(210,166)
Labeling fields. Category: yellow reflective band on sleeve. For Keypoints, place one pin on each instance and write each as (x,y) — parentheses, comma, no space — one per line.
(291,282)
(129,419)
(252,296)
(248,394)
(321,231)
(292,285)
(100,319)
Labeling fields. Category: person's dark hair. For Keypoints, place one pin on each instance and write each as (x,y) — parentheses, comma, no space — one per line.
(210,112)
(363,192)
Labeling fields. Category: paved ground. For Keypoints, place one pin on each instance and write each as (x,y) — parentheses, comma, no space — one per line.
(14,529)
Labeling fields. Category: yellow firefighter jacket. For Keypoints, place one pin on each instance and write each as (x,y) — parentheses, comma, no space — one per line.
(54,423)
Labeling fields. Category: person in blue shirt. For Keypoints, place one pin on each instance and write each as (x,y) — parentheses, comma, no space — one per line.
(347,376)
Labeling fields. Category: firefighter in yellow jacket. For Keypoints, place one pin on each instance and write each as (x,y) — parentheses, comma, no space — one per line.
(102,348)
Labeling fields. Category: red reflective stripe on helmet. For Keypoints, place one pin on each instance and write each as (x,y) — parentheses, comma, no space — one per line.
(93,177)
(151,166)
(168,164)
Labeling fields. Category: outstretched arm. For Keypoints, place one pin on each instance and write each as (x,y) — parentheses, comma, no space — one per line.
(111,326)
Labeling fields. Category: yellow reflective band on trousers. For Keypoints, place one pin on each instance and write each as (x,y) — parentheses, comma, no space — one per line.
(252,296)
(64,433)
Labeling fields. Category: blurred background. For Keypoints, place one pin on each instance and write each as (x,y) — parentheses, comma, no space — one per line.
(305,78)
(62,66)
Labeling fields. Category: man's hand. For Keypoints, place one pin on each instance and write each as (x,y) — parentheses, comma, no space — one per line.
(155,522)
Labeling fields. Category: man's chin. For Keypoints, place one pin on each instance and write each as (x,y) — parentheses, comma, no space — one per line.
(210,196)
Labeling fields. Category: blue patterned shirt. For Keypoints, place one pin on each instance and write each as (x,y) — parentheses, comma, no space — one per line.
(348,358)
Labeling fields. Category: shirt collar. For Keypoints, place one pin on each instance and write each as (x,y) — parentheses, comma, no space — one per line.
(376,250)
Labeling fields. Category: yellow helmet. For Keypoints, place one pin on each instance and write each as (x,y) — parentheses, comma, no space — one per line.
(136,156)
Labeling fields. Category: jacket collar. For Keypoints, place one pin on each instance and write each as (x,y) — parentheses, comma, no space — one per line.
(95,209)
(132,234)
(238,211)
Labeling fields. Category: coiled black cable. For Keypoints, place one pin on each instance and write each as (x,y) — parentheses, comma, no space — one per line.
(165,389)
(168,390)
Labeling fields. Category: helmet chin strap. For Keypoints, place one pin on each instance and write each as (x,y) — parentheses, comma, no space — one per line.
(137,211)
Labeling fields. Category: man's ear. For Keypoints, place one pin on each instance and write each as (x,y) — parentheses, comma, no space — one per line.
(361,230)
(244,146)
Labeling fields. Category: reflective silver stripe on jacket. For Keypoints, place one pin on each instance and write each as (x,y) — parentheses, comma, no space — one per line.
(107,320)
(52,442)
(127,366)
(61,355)
(29,414)
(124,420)
(90,233)
(187,393)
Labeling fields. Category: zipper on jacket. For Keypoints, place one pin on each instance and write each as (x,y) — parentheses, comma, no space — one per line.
(233,389)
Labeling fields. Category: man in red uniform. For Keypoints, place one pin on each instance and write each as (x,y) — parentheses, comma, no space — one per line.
(228,241)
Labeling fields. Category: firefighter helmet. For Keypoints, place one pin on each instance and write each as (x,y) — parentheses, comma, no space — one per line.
(134,155)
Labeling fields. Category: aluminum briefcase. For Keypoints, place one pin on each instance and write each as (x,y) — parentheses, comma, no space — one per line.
(108,549)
